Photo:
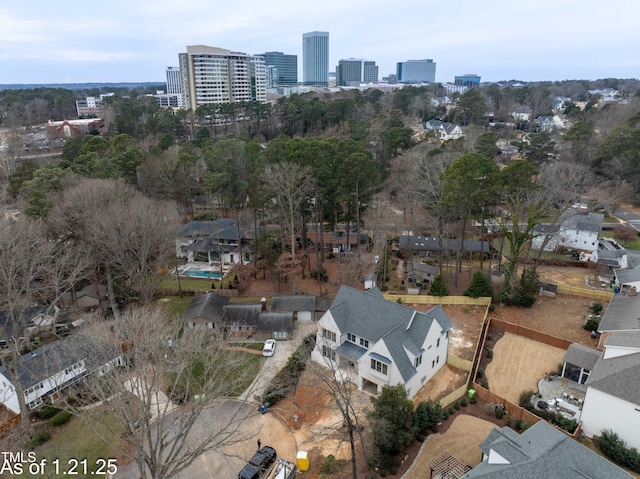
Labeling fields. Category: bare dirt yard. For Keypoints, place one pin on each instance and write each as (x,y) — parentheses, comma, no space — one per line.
(518,364)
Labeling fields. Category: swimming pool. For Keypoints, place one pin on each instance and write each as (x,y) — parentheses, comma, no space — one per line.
(198,273)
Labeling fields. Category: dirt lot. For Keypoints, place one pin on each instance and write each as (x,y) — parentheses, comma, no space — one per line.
(473,429)
(518,364)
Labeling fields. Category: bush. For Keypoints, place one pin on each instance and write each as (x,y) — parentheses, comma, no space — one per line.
(329,465)
(591,324)
(384,287)
(289,375)
(451,411)
(61,418)
(596,308)
(473,399)
(489,409)
(46,412)
(499,412)
(484,383)
(617,450)
(393,470)
(507,420)
(456,406)
(525,399)
(489,353)
(39,439)
(322,273)
(480,373)
(463,402)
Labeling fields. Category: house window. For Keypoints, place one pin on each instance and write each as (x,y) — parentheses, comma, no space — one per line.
(417,361)
(433,363)
(351,337)
(327,352)
(438,360)
(438,343)
(379,366)
(330,335)
(364,343)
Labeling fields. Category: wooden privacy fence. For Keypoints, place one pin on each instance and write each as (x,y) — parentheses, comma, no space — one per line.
(513,410)
(530,333)
(426,299)
(584,292)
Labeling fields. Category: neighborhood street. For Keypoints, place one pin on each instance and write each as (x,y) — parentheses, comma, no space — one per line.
(250,425)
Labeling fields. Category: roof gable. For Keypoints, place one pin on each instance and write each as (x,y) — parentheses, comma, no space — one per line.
(209,306)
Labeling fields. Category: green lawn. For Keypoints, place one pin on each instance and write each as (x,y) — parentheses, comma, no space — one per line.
(75,440)
(633,245)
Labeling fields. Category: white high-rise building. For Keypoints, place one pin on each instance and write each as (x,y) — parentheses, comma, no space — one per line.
(173,96)
(315,58)
(210,75)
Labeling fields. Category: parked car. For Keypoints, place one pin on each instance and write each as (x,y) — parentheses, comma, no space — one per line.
(269,347)
(258,464)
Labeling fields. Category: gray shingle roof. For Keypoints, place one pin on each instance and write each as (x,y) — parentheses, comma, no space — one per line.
(270,322)
(209,307)
(242,313)
(618,376)
(293,303)
(370,316)
(622,314)
(54,357)
(582,356)
(541,451)
(431,243)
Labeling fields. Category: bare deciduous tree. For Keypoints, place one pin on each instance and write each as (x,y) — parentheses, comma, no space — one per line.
(290,184)
(32,267)
(167,400)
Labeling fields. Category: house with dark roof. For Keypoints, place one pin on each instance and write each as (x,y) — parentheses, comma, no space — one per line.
(375,342)
(238,320)
(214,242)
(45,373)
(443,130)
(205,310)
(576,230)
(30,322)
(428,245)
(578,362)
(419,273)
(303,306)
(612,400)
(542,451)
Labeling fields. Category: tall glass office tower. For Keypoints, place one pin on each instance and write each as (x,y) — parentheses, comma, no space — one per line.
(315,58)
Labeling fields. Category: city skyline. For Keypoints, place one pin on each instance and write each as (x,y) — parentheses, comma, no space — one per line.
(43,42)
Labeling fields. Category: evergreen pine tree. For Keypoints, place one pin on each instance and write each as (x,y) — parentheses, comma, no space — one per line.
(480,286)
(438,287)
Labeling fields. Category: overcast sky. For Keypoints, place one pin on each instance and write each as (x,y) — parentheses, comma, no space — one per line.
(64,41)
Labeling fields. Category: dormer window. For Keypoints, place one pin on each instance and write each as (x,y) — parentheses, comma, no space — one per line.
(351,337)
(417,361)
(364,343)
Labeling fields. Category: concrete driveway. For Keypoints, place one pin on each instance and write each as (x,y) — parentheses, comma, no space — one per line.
(226,461)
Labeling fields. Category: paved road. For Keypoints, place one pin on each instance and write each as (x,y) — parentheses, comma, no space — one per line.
(629,217)
(248,424)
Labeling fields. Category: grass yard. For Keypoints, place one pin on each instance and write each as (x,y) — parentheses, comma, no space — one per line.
(75,440)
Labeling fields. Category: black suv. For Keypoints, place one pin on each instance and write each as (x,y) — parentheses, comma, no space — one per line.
(258,464)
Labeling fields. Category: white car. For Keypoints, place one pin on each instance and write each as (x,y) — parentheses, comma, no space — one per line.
(269,347)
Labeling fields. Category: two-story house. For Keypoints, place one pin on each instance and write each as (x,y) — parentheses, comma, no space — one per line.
(376,342)
(214,242)
(579,231)
(444,130)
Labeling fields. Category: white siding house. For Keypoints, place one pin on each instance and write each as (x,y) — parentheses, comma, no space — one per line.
(376,343)
(612,400)
(578,231)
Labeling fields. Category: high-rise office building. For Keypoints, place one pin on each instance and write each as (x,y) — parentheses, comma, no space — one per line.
(416,71)
(287,66)
(174,85)
(354,71)
(468,79)
(315,58)
(211,75)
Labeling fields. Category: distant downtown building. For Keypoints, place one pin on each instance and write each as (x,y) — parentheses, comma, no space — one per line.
(211,75)
(284,67)
(315,58)
(468,79)
(174,85)
(353,71)
(416,71)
